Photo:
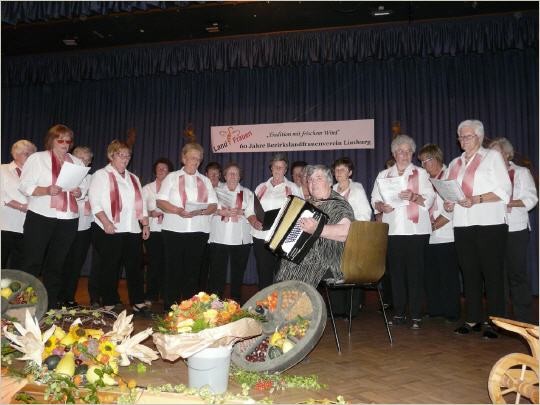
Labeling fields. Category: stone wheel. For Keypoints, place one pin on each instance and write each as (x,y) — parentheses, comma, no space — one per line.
(12,308)
(298,312)
(512,378)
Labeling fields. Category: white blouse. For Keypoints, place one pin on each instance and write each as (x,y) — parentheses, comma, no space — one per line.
(358,200)
(491,176)
(227,232)
(37,172)
(398,220)
(524,190)
(445,234)
(100,199)
(85,221)
(273,198)
(149,194)
(11,219)
(170,192)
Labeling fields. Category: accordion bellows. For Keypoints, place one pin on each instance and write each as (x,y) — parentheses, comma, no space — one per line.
(285,238)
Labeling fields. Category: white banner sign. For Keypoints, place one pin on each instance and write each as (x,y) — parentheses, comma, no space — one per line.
(291,136)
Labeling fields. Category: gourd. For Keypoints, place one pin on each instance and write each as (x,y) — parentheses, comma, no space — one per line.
(274,352)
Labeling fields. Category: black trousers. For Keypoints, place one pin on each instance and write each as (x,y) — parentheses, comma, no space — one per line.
(442,280)
(115,250)
(73,265)
(183,258)
(156,265)
(480,251)
(517,277)
(406,264)
(46,246)
(220,256)
(12,250)
(267,263)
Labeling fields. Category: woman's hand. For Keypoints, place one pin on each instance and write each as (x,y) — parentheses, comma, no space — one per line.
(109,228)
(407,195)
(76,192)
(54,190)
(308,225)
(183,213)
(145,232)
(467,202)
(382,207)
(255,223)
(448,206)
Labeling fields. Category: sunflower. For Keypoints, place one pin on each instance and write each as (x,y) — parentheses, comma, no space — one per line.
(50,344)
(108,348)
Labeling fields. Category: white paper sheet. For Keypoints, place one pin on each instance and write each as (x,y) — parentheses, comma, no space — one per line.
(195,206)
(71,175)
(226,198)
(390,187)
(449,190)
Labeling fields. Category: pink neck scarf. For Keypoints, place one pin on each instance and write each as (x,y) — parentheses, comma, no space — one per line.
(468,179)
(60,200)
(202,192)
(116,199)
(412,208)
(511,174)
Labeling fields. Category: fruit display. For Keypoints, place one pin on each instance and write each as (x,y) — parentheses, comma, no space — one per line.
(20,290)
(295,319)
(18,293)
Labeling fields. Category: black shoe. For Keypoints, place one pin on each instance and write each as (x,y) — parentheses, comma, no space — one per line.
(397,320)
(142,310)
(416,324)
(489,332)
(466,328)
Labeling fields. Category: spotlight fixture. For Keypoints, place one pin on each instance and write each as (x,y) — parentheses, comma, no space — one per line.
(213,28)
(380,11)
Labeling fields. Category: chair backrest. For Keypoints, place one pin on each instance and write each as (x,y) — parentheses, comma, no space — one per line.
(364,256)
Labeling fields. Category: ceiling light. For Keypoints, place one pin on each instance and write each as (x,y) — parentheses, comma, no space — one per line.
(214,27)
(70,42)
(380,12)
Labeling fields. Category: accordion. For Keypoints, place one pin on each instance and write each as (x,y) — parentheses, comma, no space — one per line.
(285,238)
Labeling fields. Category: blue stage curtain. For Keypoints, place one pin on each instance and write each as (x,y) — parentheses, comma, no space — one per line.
(429,95)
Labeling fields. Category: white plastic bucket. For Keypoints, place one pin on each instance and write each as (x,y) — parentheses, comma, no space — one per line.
(210,367)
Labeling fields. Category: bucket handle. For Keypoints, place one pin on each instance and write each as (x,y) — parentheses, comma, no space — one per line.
(199,369)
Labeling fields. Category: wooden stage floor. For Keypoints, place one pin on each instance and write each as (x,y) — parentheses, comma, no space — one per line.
(431,365)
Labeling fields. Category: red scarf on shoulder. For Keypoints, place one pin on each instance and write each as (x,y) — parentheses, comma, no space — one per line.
(116,199)
(60,200)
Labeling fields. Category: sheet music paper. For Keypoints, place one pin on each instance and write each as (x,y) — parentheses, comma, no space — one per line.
(390,187)
(226,197)
(449,190)
(195,206)
(71,175)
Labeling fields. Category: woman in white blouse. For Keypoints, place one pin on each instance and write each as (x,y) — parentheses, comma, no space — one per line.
(119,211)
(442,270)
(354,193)
(187,199)
(524,198)
(409,229)
(272,194)
(154,244)
(230,234)
(14,205)
(53,214)
(480,228)
(79,249)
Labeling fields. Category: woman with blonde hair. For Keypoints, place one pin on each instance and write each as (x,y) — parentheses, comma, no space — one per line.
(120,212)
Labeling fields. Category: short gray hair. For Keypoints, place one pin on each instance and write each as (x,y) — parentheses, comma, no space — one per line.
(23,144)
(477,127)
(310,169)
(83,149)
(279,157)
(400,140)
(505,146)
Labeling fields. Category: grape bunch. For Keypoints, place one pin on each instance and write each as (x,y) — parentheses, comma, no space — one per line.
(27,296)
(259,354)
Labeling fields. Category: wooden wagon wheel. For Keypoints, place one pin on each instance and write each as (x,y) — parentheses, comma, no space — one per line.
(514,376)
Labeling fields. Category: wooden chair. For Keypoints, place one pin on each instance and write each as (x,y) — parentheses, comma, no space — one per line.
(363,264)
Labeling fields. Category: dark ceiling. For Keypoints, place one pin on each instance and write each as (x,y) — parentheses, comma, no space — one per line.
(192,21)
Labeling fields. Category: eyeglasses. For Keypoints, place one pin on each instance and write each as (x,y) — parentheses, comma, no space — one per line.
(66,141)
(426,160)
(123,155)
(466,138)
